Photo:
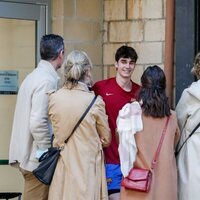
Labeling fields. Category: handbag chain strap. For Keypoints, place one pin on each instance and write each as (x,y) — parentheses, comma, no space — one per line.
(154,161)
(82,117)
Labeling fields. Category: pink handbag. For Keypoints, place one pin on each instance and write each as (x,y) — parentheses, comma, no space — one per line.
(140,179)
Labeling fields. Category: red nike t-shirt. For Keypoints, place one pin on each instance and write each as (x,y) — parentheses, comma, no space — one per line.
(115,98)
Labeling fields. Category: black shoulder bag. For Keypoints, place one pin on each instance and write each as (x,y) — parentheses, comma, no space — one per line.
(193,131)
(48,160)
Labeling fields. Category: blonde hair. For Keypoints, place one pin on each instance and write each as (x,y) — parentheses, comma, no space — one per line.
(196,66)
(75,67)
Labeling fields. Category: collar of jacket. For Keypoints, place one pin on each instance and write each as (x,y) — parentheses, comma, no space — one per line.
(47,66)
(80,86)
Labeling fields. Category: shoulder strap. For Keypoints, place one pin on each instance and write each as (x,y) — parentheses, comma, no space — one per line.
(82,117)
(154,161)
(193,131)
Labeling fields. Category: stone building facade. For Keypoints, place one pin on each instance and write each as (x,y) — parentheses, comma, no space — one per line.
(99,27)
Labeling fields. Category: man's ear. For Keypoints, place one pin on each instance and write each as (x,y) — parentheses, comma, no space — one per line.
(116,64)
(61,54)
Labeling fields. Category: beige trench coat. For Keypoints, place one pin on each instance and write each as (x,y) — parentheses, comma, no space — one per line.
(188,160)
(164,180)
(30,131)
(80,173)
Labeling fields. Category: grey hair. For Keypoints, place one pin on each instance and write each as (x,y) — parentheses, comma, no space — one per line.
(50,46)
(75,66)
(196,66)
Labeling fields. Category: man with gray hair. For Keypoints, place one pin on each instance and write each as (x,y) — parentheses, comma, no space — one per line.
(31,131)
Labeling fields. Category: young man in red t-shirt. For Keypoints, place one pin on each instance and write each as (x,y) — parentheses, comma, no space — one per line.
(116,92)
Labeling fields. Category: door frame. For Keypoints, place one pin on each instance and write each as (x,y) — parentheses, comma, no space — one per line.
(185,44)
(38,10)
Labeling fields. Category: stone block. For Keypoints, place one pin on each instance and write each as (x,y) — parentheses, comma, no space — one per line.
(97,73)
(69,8)
(69,47)
(141,9)
(109,51)
(105,71)
(126,31)
(78,30)
(90,9)
(96,32)
(114,10)
(137,73)
(154,30)
(57,26)
(94,51)
(105,32)
(112,71)
(149,53)
(57,8)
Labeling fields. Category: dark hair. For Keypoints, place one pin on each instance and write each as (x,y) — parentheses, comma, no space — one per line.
(152,93)
(126,52)
(50,46)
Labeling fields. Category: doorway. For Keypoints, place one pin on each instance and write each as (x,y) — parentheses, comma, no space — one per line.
(22,25)
(186,42)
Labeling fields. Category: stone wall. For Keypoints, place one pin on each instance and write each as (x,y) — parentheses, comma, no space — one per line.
(137,23)
(99,27)
(80,23)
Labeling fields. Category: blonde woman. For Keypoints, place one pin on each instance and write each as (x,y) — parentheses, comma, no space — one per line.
(188,113)
(80,173)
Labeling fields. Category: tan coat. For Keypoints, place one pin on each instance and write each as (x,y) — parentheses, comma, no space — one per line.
(164,181)
(80,173)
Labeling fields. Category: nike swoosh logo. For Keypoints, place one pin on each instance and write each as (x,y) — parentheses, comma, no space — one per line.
(109,94)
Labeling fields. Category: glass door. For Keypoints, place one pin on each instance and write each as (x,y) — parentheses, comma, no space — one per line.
(22,25)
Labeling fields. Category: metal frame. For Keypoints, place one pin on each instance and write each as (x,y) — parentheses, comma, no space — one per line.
(38,10)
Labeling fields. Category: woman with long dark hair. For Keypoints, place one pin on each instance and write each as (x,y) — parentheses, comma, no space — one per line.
(155,113)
